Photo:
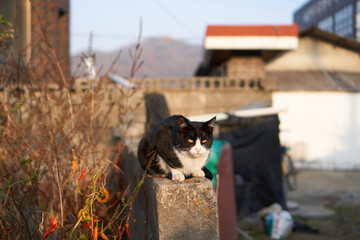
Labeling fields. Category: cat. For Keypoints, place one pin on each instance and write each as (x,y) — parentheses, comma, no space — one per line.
(179,148)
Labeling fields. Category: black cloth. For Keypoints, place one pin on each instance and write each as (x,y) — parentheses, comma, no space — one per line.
(256,157)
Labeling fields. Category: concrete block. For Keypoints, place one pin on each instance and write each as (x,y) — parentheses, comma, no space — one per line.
(168,210)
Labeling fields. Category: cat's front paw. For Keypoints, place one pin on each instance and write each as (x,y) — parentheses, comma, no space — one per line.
(177,176)
(199,173)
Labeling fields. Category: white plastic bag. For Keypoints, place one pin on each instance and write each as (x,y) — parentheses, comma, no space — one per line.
(279,224)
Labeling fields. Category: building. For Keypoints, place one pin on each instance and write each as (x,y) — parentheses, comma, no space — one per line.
(338,16)
(33,21)
(319,83)
(317,80)
(242,51)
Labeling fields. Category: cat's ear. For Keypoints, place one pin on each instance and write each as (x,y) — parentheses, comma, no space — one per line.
(211,122)
(182,123)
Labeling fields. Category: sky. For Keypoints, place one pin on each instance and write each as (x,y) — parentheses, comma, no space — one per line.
(116,23)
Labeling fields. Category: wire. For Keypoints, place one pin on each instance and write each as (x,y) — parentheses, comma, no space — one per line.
(171,14)
(86,35)
(103,35)
(255,4)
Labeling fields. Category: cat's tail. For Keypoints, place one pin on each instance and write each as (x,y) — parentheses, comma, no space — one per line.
(145,147)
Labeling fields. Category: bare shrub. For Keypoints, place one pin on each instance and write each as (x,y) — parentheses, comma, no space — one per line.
(55,156)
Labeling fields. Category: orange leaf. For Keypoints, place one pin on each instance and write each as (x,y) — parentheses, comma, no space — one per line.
(127,230)
(106,196)
(96,233)
(82,174)
(103,236)
(51,229)
(91,222)
(73,168)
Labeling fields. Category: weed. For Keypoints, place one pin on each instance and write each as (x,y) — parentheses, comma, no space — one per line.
(54,148)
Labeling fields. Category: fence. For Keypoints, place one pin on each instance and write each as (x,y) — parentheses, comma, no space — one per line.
(205,83)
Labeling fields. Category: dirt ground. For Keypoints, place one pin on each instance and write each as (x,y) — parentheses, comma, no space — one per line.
(334,191)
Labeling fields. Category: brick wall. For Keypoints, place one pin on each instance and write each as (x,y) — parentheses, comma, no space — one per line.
(248,67)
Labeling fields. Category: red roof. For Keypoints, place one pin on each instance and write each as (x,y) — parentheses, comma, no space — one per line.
(252,30)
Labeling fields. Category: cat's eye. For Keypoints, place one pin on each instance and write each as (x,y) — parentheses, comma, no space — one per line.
(190,140)
(204,141)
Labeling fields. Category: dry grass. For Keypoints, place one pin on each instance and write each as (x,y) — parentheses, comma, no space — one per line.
(50,135)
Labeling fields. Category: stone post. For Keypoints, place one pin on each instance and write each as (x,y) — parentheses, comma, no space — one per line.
(168,210)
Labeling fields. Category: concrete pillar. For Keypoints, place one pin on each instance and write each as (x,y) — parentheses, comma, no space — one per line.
(226,195)
(168,210)
(21,19)
(23,23)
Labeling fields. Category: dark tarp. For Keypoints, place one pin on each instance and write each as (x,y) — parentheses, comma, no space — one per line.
(257,161)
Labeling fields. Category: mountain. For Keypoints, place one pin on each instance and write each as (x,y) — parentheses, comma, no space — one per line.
(163,57)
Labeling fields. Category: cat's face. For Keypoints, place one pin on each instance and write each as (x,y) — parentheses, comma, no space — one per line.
(195,137)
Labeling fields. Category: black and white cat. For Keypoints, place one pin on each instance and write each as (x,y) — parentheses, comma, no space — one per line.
(181,148)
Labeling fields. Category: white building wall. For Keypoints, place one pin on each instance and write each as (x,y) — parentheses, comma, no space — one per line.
(322,129)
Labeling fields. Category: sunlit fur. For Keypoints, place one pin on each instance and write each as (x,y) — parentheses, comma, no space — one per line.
(182,147)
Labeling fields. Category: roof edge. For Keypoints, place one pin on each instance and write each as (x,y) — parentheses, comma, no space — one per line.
(252,30)
(331,38)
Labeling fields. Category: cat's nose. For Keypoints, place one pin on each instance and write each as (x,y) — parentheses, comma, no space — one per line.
(198,150)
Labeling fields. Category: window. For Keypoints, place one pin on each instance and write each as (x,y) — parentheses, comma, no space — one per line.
(326,24)
(344,21)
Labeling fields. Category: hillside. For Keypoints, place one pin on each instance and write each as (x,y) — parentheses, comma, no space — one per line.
(162,58)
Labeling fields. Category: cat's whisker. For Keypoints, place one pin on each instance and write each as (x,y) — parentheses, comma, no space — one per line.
(184,156)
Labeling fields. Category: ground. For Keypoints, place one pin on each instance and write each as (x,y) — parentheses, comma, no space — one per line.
(329,201)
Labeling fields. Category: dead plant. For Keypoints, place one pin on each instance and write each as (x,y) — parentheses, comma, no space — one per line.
(55,156)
